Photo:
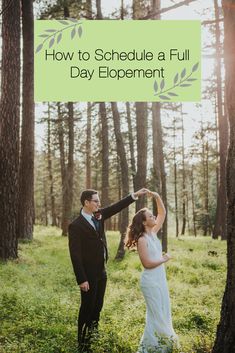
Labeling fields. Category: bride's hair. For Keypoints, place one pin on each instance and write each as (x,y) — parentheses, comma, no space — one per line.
(136,228)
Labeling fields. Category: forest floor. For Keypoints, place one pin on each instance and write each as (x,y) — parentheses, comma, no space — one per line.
(39,297)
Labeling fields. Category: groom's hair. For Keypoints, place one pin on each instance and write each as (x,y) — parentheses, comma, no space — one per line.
(87,195)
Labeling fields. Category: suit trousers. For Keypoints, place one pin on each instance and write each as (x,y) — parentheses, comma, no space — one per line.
(91,305)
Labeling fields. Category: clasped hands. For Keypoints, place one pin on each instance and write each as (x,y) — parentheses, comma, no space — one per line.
(145,191)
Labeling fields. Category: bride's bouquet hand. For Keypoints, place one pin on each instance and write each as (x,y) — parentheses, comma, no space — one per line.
(166,257)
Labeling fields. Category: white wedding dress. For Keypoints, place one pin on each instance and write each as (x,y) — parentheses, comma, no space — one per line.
(158,334)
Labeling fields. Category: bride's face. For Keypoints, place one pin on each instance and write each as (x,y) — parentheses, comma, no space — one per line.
(150,219)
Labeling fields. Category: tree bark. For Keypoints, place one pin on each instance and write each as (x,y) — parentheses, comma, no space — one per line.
(193,203)
(88,147)
(141,128)
(49,168)
(159,165)
(138,7)
(131,143)
(225,337)
(124,177)
(9,129)
(105,155)
(26,185)
(99,10)
(159,179)
(220,218)
(184,191)
(68,170)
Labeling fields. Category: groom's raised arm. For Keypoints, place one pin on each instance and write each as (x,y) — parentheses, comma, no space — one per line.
(111,210)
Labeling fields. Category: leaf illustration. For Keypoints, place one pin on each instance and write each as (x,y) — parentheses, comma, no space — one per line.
(43,35)
(63,22)
(52,41)
(80,31)
(59,37)
(195,67)
(50,30)
(39,48)
(164,97)
(185,85)
(73,33)
(191,79)
(172,94)
(176,78)
(162,84)
(73,19)
(183,73)
(155,86)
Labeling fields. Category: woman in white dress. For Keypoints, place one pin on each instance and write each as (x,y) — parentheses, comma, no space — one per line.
(159,335)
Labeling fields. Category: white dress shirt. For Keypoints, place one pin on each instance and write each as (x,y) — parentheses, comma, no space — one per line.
(88,217)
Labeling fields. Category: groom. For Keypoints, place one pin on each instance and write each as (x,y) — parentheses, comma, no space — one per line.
(89,254)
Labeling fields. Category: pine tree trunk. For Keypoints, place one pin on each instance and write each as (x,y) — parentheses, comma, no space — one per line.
(159,165)
(225,337)
(131,143)
(217,215)
(141,128)
(26,187)
(49,168)
(220,219)
(193,204)
(67,180)
(175,185)
(159,174)
(124,177)
(98,9)
(88,147)
(183,179)
(9,129)
(45,210)
(105,155)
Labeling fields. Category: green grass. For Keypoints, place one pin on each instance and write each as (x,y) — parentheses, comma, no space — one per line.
(39,298)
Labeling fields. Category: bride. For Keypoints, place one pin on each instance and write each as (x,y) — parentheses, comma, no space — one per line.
(159,335)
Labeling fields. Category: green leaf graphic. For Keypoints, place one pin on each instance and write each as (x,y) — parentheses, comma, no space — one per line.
(39,48)
(164,97)
(162,84)
(80,31)
(59,37)
(172,94)
(155,86)
(181,81)
(63,22)
(52,41)
(176,78)
(195,67)
(183,73)
(73,32)
(56,35)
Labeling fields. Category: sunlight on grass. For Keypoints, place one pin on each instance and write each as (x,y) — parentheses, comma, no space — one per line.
(39,298)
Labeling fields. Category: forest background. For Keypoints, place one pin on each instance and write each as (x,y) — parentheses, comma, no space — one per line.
(52,151)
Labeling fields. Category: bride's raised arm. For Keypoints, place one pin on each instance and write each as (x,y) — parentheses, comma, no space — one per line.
(161,211)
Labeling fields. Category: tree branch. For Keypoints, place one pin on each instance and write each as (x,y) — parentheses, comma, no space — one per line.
(166,9)
(208,22)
